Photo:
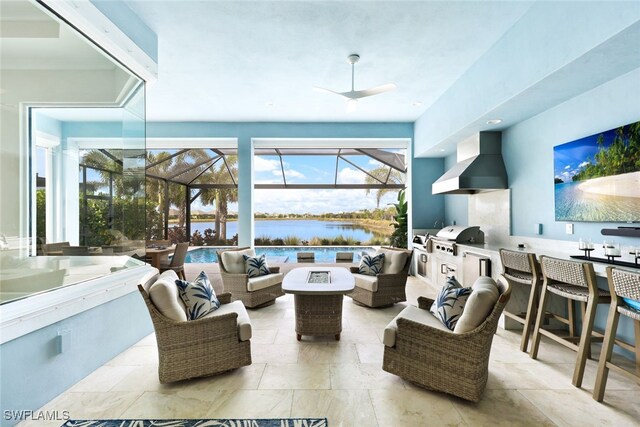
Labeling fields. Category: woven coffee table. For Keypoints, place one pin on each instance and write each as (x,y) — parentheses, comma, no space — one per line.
(318,294)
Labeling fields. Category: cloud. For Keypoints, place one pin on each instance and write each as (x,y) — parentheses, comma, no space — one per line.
(316,201)
(568,167)
(260,164)
(350,176)
(583,164)
(290,173)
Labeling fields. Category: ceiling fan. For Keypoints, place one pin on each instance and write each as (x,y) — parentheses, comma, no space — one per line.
(353,95)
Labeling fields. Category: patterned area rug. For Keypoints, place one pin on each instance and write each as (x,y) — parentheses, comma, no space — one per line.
(258,422)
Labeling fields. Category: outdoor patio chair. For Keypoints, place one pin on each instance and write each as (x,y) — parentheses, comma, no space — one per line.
(216,343)
(75,250)
(177,261)
(344,257)
(255,291)
(303,257)
(54,248)
(388,287)
(419,348)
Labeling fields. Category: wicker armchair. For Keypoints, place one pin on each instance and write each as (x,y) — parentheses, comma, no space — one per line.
(197,348)
(255,292)
(387,288)
(438,359)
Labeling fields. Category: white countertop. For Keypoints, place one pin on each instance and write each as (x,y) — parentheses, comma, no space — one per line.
(295,282)
(553,250)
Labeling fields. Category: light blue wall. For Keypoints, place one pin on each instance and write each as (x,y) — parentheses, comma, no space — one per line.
(130,24)
(427,208)
(456,209)
(528,153)
(34,373)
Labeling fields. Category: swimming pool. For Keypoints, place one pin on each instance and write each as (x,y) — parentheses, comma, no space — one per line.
(323,254)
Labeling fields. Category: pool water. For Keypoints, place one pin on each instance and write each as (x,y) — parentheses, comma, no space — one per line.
(323,254)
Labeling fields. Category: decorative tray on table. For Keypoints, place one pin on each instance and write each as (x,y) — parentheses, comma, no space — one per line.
(319,277)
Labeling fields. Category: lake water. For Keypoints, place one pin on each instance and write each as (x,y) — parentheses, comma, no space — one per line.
(573,204)
(305,229)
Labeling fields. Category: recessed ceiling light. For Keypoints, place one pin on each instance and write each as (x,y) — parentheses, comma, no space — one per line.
(270,104)
(417,103)
(494,121)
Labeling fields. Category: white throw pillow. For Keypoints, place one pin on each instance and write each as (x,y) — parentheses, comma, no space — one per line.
(233,261)
(165,296)
(449,304)
(371,264)
(479,305)
(198,296)
(394,261)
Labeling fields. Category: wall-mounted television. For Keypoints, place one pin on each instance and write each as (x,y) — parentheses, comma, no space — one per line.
(597,178)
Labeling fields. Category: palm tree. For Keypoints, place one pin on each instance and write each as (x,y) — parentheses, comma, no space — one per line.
(222,196)
(395,177)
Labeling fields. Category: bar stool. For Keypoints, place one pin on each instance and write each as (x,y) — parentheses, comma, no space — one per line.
(523,268)
(622,284)
(575,281)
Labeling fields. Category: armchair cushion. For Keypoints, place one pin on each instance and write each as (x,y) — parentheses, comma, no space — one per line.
(244,324)
(165,296)
(371,265)
(412,313)
(483,297)
(364,281)
(449,304)
(256,266)
(394,261)
(198,296)
(261,282)
(233,261)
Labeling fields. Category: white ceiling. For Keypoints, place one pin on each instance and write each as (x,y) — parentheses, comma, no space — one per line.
(225,61)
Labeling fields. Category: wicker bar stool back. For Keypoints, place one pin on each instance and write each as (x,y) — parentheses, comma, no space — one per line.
(622,284)
(523,268)
(574,281)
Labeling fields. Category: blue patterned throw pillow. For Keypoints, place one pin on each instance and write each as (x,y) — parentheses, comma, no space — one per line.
(371,264)
(198,296)
(450,302)
(256,266)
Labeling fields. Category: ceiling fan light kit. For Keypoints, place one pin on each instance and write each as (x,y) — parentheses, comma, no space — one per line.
(353,95)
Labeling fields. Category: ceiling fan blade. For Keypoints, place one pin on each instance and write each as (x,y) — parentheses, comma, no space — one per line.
(322,89)
(373,91)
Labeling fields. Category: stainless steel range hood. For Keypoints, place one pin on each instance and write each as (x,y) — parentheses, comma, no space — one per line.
(480,167)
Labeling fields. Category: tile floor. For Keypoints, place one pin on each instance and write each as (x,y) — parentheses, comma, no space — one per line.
(344,382)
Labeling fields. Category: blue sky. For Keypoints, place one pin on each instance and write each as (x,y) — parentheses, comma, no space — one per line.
(569,158)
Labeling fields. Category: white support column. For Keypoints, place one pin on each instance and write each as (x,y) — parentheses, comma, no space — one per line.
(245,192)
